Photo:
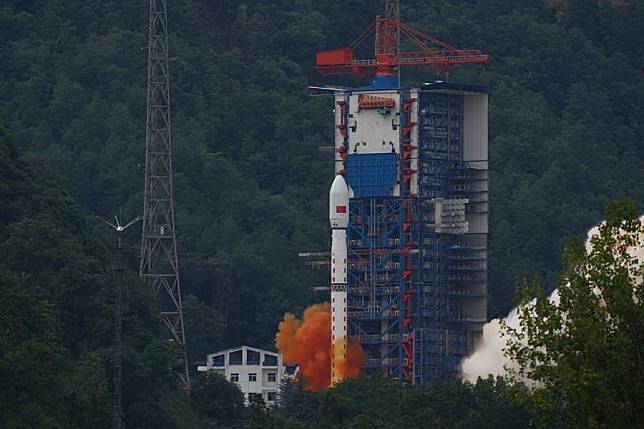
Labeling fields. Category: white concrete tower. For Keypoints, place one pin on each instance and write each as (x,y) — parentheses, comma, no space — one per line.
(339,218)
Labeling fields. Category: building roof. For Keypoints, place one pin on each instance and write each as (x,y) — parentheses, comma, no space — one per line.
(234,349)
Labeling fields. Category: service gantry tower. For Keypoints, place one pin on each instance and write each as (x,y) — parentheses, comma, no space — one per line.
(159,265)
(416,164)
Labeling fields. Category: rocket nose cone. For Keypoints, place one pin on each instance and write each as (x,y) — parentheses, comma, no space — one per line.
(339,203)
(339,186)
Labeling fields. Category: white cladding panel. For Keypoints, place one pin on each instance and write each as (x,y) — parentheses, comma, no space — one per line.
(338,316)
(338,331)
(413,95)
(475,127)
(370,131)
(475,152)
(339,257)
(477,223)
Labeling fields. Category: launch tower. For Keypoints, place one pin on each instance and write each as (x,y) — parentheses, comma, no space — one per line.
(416,164)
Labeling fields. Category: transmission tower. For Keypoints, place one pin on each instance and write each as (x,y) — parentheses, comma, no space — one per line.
(159,265)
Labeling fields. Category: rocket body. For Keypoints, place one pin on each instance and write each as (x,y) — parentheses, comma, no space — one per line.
(339,219)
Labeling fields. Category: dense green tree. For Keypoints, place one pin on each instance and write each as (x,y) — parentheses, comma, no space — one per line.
(56,327)
(584,349)
(204,328)
(376,402)
(218,400)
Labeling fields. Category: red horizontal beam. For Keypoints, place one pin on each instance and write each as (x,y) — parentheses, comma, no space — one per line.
(434,58)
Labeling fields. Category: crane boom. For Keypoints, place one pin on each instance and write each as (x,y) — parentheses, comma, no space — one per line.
(388,56)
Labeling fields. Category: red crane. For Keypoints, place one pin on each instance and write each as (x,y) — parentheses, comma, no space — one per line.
(388,56)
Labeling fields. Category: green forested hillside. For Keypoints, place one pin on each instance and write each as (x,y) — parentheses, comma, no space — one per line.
(56,323)
(566,133)
(566,136)
(56,328)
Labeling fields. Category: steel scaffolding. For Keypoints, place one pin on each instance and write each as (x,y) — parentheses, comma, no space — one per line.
(450,262)
(414,279)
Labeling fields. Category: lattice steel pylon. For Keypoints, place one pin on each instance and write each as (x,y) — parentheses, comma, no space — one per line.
(159,265)
(119,266)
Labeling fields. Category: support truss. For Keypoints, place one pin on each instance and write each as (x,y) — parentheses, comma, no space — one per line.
(159,265)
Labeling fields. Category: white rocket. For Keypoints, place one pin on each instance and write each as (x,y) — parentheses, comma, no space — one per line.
(339,218)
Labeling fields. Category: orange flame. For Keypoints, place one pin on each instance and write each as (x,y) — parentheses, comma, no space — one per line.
(349,368)
(307,342)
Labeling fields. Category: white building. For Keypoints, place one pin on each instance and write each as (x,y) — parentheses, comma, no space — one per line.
(257,372)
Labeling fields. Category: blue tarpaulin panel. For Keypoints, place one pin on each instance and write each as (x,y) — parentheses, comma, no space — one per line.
(371,174)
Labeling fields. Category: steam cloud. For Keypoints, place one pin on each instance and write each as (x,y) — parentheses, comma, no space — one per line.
(488,357)
(307,342)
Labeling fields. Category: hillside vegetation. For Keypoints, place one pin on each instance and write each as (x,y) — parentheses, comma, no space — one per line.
(56,323)
(565,126)
(566,136)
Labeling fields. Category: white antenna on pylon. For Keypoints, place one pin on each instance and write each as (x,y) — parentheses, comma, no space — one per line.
(118,266)
(118,227)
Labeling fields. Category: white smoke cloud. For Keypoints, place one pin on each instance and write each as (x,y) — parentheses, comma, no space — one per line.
(488,358)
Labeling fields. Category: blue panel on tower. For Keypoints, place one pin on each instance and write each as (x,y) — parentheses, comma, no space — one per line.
(371,174)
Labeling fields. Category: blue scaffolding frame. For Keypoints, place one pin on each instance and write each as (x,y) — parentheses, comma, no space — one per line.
(407,283)
(449,262)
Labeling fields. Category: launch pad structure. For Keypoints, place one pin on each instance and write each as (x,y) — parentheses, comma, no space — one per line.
(416,163)
(417,235)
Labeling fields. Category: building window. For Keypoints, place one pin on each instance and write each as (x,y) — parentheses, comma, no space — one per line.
(252,357)
(255,398)
(271,396)
(270,360)
(234,377)
(272,377)
(252,376)
(219,360)
(235,358)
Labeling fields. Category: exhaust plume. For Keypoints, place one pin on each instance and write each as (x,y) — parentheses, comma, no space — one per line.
(307,342)
(488,358)
(349,368)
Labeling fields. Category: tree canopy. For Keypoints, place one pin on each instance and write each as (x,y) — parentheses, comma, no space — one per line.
(585,348)
(375,402)
(56,323)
